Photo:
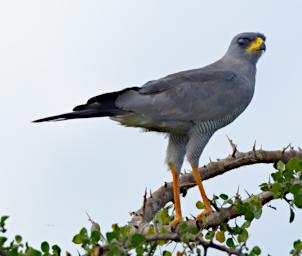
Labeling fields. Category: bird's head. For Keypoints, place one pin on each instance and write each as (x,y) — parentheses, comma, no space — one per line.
(247,46)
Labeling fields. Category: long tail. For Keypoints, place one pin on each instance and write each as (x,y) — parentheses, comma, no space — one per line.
(74,115)
(99,106)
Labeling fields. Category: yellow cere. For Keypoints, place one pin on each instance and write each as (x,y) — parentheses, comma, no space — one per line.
(255,45)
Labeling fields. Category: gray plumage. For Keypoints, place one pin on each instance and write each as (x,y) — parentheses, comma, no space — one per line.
(189,106)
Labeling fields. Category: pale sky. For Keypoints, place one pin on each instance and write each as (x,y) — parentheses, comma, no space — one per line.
(57,54)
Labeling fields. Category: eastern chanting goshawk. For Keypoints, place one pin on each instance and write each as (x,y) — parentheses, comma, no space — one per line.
(188,106)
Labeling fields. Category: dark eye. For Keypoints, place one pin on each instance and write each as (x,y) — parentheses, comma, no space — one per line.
(243,41)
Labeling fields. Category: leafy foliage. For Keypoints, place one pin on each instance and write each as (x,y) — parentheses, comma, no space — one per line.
(230,235)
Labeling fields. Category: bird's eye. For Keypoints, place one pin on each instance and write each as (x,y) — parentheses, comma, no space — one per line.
(243,41)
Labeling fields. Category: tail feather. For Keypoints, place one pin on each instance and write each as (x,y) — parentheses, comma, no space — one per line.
(99,106)
(74,115)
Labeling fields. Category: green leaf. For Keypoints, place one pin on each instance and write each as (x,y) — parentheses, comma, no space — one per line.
(243,236)
(256,250)
(95,236)
(182,226)
(45,247)
(2,240)
(280,166)
(230,243)
(295,188)
(264,187)
(198,251)
(194,230)
(298,245)
(246,224)
(137,240)
(294,164)
(292,215)
(276,187)
(166,253)
(277,176)
(18,239)
(249,216)
(258,212)
(3,219)
(224,196)
(163,217)
(200,205)
(56,250)
(140,251)
(14,252)
(33,252)
(298,200)
(214,199)
(77,239)
(83,233)
(210,235)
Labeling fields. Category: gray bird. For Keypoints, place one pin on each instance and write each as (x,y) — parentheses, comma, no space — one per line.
(189,106)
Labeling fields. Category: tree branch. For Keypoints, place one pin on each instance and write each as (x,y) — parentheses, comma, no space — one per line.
(164,194)
(211,221)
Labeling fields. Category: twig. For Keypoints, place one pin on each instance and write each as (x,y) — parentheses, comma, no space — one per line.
(234,147)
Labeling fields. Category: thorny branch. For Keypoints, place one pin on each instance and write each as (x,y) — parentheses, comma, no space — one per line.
(164,194)
(213,220)
(141,219)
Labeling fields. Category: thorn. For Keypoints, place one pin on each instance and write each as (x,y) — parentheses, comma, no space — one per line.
(299,149)
(285,148)
(237,193)
(89,219)
(166,184)
(254,148)
(249,195)
(234,147)
(187,219)
(145,201)
(150,193)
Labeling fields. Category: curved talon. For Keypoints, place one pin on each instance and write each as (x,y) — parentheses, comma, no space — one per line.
(204,213)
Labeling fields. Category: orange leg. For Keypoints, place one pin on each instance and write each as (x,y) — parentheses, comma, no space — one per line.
(176,191)
(205,200)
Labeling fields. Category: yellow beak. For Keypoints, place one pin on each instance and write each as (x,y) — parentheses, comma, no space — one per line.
(256,45)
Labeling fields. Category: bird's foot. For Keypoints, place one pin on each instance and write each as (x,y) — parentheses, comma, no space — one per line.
(174,223)
(204,213)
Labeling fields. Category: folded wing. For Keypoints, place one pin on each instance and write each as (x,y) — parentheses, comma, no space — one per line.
(191,95)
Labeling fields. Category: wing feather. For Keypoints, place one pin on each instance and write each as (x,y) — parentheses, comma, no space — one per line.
(191,95)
